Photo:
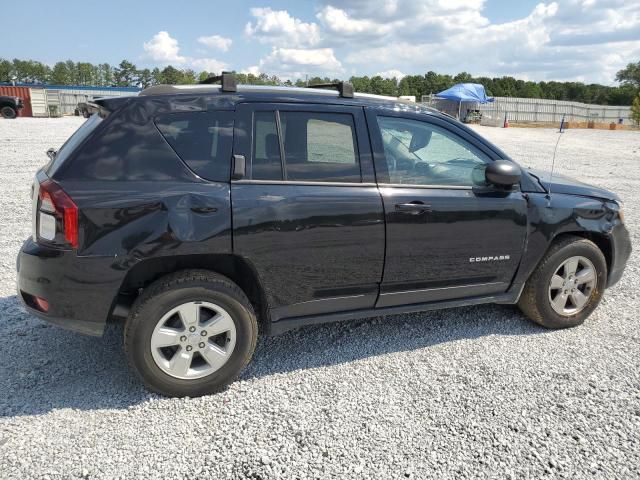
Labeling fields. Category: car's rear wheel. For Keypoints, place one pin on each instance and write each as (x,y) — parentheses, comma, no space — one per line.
(567,285)
(8,112)
(190,334)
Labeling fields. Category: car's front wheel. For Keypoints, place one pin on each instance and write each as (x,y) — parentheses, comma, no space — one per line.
(8,112)
(567,285)
(190,334)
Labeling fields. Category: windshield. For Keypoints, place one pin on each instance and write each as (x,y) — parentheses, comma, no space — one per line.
(72,143)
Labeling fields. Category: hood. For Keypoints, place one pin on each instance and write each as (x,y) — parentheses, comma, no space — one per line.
(569,186)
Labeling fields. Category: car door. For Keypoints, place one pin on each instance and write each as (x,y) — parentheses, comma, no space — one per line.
(449,236)
(307,214)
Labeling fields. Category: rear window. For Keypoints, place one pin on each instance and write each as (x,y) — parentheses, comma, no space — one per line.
(72,143)
(203,140)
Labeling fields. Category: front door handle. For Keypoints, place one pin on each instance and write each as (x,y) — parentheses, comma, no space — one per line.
(413,208)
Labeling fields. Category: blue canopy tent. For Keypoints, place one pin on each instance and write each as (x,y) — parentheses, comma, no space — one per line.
(465,92)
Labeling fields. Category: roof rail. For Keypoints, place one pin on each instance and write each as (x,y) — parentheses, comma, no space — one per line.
(227,81)
(345,89)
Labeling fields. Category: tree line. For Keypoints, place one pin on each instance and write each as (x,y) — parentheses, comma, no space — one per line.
(127,74)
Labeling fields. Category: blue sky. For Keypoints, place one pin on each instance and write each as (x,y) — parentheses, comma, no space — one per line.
(586,40)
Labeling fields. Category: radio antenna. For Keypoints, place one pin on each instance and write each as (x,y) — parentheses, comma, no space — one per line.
(553,161)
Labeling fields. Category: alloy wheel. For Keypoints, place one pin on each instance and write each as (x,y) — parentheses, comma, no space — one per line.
(193,340)
(572,285)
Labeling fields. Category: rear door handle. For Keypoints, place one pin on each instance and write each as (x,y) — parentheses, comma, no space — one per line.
(204,210)
(239,167)
(413,208)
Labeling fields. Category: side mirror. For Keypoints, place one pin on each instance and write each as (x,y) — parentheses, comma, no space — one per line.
(503,173)
(51,153)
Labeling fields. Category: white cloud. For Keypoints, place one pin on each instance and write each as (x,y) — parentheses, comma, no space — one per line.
(162,48)
(558,40)
(216,42)
(253,70)
(278,27)
(338,21)
(393,73)
(563,40)
(297,62)
(382,21)
(210,65)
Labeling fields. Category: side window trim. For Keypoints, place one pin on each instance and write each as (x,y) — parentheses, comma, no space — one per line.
(283,158)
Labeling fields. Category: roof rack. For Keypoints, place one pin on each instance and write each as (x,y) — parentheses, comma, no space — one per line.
(227,81)
(345,89)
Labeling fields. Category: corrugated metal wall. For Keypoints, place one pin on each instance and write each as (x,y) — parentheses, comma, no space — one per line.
(22,92)
(48,101)
(66,100)
(57,100)
(537,110)
(39,102)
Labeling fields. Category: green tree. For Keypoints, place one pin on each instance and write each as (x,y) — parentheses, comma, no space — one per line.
(73,73)
(60,74)
(104,74)
(156,75)
(6,70)
(86,73)
(125,74)
(188,77)
(145,78)
(171,76)
(635,110)
(630,75)
(463,77)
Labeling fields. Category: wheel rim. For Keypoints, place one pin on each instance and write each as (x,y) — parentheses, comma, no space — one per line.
(572,286)
(193,340)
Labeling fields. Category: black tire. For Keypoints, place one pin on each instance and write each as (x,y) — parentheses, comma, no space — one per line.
(535,302)
(8,112)
(173,290)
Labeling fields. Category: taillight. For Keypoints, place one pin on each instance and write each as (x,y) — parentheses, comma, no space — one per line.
(56,208)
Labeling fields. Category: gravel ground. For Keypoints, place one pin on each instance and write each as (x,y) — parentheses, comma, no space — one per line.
(470,392)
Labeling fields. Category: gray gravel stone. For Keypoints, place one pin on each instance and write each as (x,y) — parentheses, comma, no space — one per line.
(474,392)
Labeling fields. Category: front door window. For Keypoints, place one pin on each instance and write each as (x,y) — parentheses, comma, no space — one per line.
(420,153)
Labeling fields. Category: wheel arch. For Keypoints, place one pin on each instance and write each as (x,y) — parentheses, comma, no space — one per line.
(234,267)
(602,241)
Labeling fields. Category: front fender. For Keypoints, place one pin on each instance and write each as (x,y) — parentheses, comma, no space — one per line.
(563,214)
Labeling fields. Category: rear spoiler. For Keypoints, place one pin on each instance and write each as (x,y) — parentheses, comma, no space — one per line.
(106,105)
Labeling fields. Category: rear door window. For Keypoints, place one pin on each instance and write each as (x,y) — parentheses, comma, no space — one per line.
(266,163)
(320,147)
(203,140)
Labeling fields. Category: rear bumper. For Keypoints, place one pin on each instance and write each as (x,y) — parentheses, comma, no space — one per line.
(80,290)
(621,251)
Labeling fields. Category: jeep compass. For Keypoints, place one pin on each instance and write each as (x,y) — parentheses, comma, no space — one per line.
(206,214)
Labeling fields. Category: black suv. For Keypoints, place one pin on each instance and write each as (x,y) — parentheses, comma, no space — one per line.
(205,214)
(10,106)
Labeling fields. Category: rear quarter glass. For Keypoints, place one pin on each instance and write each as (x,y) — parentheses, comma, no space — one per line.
(72,143)
(203,140)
